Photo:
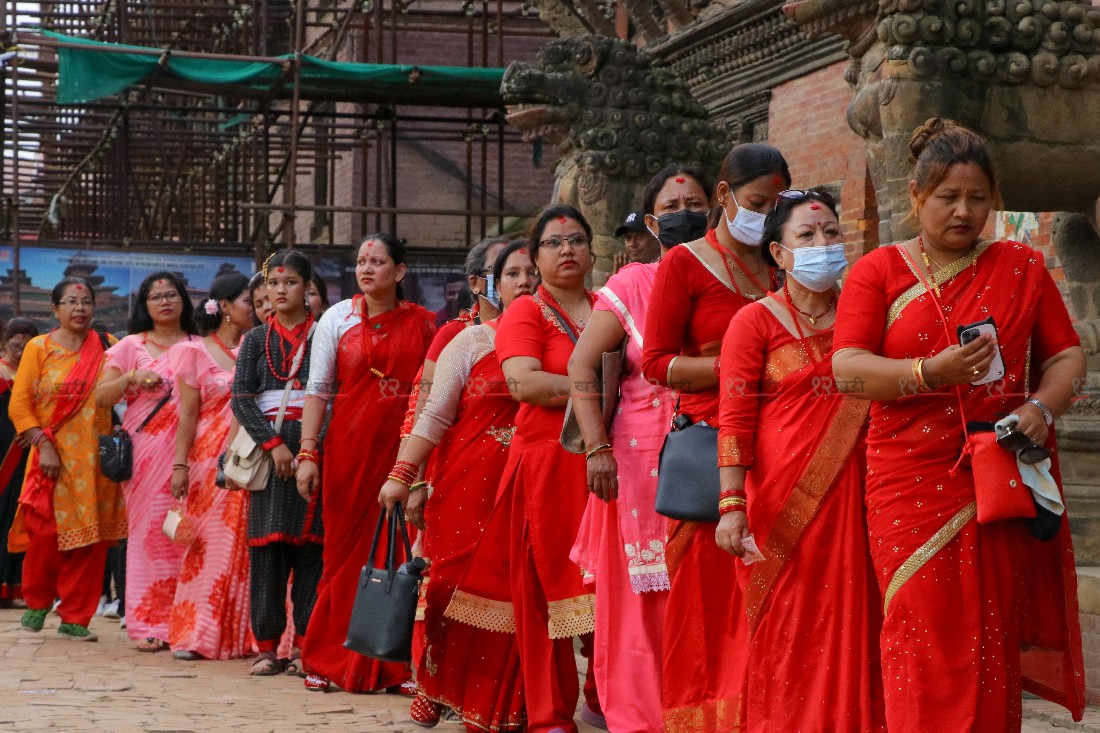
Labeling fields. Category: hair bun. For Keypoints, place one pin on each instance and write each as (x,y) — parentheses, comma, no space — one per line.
(925,134)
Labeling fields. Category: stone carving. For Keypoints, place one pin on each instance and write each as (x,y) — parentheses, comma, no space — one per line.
(616,117)
(1024,73)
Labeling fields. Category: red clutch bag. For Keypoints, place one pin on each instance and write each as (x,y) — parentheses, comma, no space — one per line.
(999,492)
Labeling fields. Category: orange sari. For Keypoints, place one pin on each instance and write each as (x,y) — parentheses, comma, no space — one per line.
(812,606)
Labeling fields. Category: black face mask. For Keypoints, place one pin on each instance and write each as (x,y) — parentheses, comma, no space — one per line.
(681,226)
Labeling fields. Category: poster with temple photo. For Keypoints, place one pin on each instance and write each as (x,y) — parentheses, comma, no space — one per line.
(115,277)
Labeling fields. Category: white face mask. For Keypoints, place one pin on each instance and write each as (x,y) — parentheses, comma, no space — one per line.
(818,268)
(747,226)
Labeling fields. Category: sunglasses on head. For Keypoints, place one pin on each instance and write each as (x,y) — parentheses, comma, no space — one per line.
(794,195)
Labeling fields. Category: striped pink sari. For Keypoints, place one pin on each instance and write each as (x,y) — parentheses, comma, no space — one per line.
(210,613)
(152,560)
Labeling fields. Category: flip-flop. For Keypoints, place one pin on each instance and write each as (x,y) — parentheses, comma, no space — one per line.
(294,667)
(150,644)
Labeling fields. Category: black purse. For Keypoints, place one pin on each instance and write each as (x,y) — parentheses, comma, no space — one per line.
(687,477)
(382,617)
(116,451)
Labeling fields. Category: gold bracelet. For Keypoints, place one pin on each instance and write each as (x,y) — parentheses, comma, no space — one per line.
(601,448)
(418,485)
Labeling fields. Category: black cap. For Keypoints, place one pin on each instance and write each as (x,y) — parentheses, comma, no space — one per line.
(635,222)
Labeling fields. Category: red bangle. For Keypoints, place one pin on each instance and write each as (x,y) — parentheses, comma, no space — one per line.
(272,444)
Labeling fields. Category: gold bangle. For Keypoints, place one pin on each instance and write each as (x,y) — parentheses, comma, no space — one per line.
(418,485)
(918,374)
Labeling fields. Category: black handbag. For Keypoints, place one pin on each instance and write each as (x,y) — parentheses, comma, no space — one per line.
(687,477)
(116,451)
(382,617)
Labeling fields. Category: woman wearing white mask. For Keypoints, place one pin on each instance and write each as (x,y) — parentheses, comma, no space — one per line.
(791,452)
(699,287)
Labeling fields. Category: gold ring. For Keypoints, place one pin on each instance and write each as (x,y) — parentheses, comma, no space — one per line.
(975,371)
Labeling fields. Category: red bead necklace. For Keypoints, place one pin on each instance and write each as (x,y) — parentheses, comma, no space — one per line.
(228,351)
(288,355)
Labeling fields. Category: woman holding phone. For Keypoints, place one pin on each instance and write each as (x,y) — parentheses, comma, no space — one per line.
(988,606)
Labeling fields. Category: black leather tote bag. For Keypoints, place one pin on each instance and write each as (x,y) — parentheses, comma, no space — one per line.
(385,603)
(687,477)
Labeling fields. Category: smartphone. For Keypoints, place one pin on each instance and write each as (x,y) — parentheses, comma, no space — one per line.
(971,331)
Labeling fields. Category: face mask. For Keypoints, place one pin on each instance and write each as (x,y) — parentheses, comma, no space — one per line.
(818,268)
(680,226)
(491,293)
(747,226)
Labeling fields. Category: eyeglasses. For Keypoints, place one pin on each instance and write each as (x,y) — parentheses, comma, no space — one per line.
(573,240)
(73,303)
(797,194)
(169,297)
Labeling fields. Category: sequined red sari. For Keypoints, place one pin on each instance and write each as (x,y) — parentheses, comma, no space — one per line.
(973,613)
(464,472)
(813,606)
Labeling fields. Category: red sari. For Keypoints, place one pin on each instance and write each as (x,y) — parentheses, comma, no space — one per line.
(464,473)
(705,636)
(543,494)
(993,610)
(360,448)
(813,607)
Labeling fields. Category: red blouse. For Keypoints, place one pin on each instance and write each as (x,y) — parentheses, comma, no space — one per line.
(529,328)
(689,310)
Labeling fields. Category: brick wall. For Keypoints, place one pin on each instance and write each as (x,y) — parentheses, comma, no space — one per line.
(807,121)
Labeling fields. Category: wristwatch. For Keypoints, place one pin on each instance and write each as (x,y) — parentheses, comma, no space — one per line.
(1047,417)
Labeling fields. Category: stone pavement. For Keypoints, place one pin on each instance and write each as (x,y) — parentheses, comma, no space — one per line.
(47,683)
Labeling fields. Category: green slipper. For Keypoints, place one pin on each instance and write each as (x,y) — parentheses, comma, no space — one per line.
(76,632)
(34,620)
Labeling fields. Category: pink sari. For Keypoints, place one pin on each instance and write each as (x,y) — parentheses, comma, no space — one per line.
(210,613)
(152,560)
(621,544)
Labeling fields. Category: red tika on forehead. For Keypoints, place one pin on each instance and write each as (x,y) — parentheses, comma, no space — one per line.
(161,282)
(78,286)
(681,179)
(563,219)
(280,270)
(815,207)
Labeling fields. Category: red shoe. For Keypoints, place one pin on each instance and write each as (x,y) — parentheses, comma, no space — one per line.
(317,683)
(424,712)
(405,689)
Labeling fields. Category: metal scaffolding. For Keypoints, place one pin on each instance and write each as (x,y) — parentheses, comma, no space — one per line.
(177,168)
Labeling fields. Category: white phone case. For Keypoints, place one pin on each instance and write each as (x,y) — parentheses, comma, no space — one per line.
(997,367)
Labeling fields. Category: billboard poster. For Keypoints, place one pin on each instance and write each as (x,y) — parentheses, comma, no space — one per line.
(434,282)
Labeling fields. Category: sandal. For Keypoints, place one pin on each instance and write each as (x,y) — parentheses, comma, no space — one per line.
(265,665)
(317,683)
(294,664)
(424,712)
(149,644)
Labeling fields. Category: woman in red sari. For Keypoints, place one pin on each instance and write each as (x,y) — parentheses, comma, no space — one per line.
(543,486)
(793,449)
(366,353)
(68,512)
(699,287)
(466,427)
(13,458)
(973,612)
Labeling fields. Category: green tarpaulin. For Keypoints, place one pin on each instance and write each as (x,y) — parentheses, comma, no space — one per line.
(88,72)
